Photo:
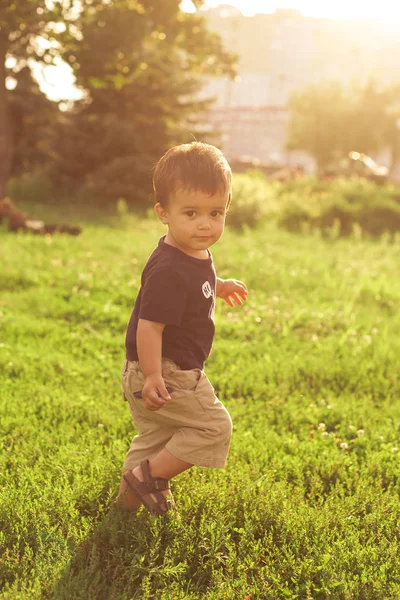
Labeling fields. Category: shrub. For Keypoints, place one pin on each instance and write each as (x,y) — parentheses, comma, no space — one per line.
(125,177)
(253,199)
(34,187)
(380,216)
(343,203)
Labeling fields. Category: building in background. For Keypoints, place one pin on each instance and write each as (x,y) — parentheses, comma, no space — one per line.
(278,54)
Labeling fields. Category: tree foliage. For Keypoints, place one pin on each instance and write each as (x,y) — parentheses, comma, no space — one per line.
(32,117)
(141,83)
(140,64)
(329,121)
(29,30)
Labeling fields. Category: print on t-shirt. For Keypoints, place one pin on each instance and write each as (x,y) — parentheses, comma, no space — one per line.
(207,289)
(208,292)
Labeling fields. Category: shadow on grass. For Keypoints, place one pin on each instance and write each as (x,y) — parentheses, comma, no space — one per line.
(121,559)
(105,564)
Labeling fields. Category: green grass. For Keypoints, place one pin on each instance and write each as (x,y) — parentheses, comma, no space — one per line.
(308,505)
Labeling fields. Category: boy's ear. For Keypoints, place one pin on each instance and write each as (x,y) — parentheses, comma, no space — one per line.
(229,201)
(161,213)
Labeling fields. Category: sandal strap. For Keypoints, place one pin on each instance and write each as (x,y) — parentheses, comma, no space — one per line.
(152,484)
(161,501)
(160,484)
(147,478)
(159,506)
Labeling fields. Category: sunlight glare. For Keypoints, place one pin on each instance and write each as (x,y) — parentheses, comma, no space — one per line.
(57,81)
(385,10)
(188,6)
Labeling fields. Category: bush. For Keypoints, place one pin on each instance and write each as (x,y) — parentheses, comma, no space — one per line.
(345,204)
(34,187)
(253,199)
(125,177)
(298,205)
(380,217)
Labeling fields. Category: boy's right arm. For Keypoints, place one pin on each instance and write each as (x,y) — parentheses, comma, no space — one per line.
(149,348)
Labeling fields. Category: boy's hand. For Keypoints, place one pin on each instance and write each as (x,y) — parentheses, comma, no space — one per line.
(232,290)
(155,395)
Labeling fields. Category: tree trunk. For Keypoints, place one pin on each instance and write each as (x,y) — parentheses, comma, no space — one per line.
(5,137)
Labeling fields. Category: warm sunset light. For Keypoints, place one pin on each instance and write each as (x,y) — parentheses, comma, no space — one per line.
(199,292)
(386,10)
(58,82)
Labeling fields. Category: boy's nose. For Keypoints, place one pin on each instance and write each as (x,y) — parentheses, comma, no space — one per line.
(204,224)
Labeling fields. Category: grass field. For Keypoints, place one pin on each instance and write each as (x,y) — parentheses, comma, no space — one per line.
(308,505)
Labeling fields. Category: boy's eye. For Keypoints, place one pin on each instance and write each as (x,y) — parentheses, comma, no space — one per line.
(192,213)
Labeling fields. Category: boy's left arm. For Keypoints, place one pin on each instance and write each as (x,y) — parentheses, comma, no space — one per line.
(231,290)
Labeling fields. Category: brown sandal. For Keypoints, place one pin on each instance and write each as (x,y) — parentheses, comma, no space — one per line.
(150,485)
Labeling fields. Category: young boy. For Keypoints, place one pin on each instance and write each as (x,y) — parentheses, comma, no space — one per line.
(180,421)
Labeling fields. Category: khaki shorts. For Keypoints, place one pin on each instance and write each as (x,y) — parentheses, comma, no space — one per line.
(193,426)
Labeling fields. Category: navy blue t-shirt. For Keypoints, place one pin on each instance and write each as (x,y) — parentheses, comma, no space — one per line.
(179,291)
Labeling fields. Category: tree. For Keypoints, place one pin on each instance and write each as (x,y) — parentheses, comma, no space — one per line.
(141,67)
(140,62)
(392,130)
(329,121)
(365,130)
(32,117)
(317,114)
(28,30)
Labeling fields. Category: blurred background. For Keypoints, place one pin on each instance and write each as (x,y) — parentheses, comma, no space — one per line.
(96,90)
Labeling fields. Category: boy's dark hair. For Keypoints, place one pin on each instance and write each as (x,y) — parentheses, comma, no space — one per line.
(194,166)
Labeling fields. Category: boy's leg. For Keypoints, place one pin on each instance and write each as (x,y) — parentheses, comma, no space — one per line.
(126,498)
(204,436)
(147,444)
(199,428)
(164,465)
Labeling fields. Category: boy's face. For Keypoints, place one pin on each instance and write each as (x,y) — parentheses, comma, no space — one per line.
(195,220)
